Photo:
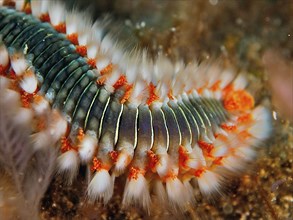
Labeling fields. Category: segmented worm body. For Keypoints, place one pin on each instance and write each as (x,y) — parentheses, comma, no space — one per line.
(168,126)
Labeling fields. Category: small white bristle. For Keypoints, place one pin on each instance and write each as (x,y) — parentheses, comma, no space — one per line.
(36,8)
(246,152)
(18,63)
(160,192)
(220,151)
(107,44)
(177,193)
(72,19)
(101,186)
(56,12)
(102,62)
(162,166)
(131,68)
(117,55)
(146,67)
(214,73)
(84,29)
(68,165)
(207,93)
(39,7)
(163,74)
(98,28)
(4,57)
(19,5)
(226,78)
(24,116)
(10,98)
(87,148)
(84,34)
(261,129)
(189,190)
(240,82)
(40,105)
(233,163)
(209,182)
(261,113)
(122,161)
(196,158)
(139,93)
(41,140)
(114,77)
(29,82)
(136,191)
(91,50)
(220,148)
(58,126)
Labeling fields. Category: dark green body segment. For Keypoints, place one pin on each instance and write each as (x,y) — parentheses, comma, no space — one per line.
(64,75)
(70,85)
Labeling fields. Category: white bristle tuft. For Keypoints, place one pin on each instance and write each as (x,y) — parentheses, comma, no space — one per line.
(101,63)
(129,64)
(106,44)
(41,140)
(101,186)
(160,192)
(162,166)
(189,190)
(4,56)
(19,5)
(240,82)
(261,129)
(207,93)
(136,191)
(84,31)
(87,148)
(233,163)
(40,105)
(139,93)
(56,11)
(117,55)
(72,19)
(220,151)
(68,165)
(10,98)
(177,193)
(113,79)
(29,82)
(196,158)
(18,63)
(58,126)
(226,77)
(39,7)
(246,152)
(24,116)
(122,162)
(209,182)
(91,50)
